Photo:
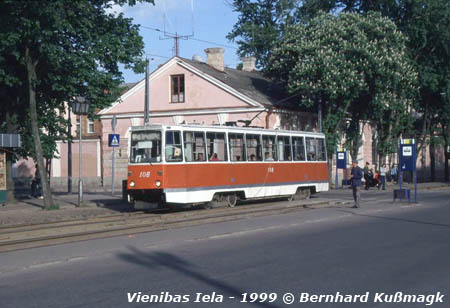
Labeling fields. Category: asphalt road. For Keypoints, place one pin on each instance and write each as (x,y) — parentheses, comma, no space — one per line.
(380,248)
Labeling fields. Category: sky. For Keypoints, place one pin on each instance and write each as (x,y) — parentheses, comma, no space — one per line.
(200,20)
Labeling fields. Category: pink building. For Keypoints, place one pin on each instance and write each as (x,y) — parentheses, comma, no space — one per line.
(181,91)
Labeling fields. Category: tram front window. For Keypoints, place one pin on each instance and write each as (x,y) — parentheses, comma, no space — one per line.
(145,147)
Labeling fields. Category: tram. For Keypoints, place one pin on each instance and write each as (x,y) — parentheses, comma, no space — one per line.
(191,164)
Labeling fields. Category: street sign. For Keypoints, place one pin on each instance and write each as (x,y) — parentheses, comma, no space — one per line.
(114,140)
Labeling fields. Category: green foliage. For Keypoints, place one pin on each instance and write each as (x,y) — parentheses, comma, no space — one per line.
(77,46)
(260,25)
(426,24)
(356,66)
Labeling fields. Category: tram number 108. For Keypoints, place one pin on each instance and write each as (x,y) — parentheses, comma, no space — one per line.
(144,174)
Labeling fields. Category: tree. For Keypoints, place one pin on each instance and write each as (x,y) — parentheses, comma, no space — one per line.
(53,51)
(260,24)
(355,66)
(426,23)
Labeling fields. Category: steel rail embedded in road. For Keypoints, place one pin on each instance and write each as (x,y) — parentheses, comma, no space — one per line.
(143,223)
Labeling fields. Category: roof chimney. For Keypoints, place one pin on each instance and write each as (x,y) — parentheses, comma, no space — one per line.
(214,58)
(248,64)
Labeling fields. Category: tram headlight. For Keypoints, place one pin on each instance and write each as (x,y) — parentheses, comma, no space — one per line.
(158,183)
(132,184)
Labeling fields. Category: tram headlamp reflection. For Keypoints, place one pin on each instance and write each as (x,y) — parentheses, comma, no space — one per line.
(158,183)
(132,184)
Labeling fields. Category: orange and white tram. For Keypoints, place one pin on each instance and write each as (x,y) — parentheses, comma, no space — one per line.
(192,164)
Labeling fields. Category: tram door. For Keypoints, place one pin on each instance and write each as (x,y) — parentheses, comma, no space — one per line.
(239,167)
(174,158)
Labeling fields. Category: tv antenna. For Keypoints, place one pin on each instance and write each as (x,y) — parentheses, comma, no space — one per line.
(174,36)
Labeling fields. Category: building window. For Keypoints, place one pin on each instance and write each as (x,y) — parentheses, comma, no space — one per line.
(90,126)
(177,88)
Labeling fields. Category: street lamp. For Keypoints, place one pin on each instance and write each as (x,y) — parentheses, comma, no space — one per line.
(80,107)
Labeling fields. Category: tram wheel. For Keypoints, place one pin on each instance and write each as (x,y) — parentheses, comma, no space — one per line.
(292,197)
(231,200)
(306,193)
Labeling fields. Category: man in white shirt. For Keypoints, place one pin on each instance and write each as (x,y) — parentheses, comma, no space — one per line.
(383,171)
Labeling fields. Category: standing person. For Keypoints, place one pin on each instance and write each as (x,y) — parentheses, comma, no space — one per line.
(356,175)
(393,173)
(383,171)
(366,175)
(36,185)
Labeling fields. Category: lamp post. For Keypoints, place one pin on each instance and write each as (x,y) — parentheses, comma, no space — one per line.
(80,107)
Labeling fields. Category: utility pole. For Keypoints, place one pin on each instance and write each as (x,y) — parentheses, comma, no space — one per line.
(147,96)
(69,156)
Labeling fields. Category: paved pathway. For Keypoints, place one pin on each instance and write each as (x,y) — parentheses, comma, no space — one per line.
(28,210)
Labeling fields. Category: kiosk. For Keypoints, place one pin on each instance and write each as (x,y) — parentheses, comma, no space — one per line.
(6,141)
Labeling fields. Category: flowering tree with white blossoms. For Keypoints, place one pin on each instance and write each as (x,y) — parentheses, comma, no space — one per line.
(356,67)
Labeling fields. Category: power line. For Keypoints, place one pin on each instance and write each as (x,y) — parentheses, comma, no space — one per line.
(204,41)
(159,56)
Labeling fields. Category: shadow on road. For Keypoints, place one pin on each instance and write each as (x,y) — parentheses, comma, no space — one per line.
(163,259)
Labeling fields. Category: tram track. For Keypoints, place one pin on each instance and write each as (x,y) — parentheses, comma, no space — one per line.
(75,230)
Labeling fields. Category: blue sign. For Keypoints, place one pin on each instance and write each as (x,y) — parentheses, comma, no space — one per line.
(408,155)
(341,160)
(114,140)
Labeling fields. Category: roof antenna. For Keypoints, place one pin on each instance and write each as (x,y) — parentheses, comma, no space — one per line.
(176,38)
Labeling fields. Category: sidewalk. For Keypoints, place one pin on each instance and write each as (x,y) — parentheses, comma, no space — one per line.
(28,210)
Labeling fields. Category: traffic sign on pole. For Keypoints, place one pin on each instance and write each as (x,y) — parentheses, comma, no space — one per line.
(114,140)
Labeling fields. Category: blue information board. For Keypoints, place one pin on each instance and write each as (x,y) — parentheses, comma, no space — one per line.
(341,159)
(407,159)
(114,140)
(408,155)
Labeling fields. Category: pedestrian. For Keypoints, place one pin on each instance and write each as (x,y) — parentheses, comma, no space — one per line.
(393,173)
(36,185)
(356,175)
(366,175)
(383,171)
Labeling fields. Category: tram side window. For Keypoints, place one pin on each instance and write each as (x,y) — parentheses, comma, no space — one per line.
(237,149)
(253,143)
(269,148)
(145,147)
(217,146)
(298,148)
(284,148)
(311,149)
(321,150)
(173,146)
(194,146)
